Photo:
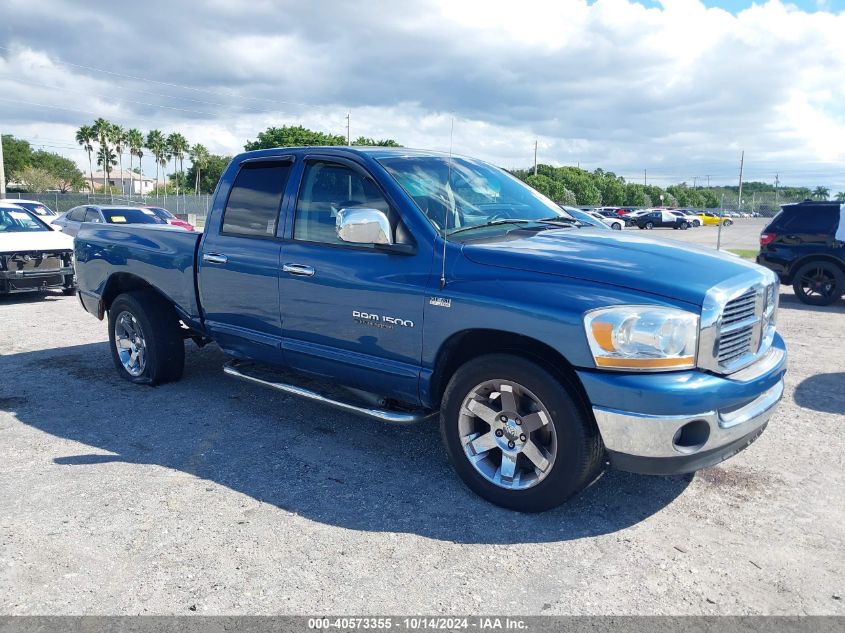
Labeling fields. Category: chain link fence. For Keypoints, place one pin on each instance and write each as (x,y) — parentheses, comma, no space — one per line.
(180,206)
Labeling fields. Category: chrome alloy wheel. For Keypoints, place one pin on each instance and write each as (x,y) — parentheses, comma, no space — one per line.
(130,344)
(507,434)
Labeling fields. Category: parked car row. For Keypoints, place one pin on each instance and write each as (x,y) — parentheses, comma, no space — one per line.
(36,243)
(683,218)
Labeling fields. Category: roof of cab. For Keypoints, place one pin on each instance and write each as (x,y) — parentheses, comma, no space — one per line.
(375,152)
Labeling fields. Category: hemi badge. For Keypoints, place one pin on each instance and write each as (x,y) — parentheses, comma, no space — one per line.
(440,301)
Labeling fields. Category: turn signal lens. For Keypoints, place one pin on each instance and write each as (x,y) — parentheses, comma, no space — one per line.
(767,238)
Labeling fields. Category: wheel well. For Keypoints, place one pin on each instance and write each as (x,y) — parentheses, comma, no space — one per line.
(814,258)
(120,283)
(464,346)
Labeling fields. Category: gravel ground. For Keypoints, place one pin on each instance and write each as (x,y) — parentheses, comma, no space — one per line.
(214,496)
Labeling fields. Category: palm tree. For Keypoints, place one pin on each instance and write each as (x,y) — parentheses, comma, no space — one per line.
(134,141)
(106,158)
(178,145)
(821,193)
(840,197)
(102,130)
(118,137)
(85,137)
(199,157)
(156,144)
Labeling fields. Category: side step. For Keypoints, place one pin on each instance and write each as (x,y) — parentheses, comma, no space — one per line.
(238,369)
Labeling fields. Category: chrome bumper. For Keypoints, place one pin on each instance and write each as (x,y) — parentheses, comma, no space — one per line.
(650,443)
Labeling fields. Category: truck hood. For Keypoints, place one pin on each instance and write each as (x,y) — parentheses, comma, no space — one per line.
(35,241)
(675,270)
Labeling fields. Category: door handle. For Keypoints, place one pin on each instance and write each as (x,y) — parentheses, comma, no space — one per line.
(214,258)
(299,269)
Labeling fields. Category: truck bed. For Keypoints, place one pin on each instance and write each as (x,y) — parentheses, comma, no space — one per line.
(162,256)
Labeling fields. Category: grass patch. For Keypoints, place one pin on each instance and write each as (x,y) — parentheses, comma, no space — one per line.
(745,253)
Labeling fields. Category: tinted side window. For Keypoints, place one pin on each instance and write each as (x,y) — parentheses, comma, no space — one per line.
(252,209)
(77,214)
(326,189)
(822,220)
(92,216)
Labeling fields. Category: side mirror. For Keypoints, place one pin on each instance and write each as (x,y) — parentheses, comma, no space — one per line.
(361,225)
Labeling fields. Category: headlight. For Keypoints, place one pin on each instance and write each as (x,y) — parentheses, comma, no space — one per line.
(645,338)
(771,303)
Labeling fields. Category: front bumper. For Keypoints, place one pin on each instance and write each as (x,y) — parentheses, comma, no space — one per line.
(688,420)
(29,280)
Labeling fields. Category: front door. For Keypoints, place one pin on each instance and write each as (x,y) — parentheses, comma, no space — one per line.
(350,311)
(239,264)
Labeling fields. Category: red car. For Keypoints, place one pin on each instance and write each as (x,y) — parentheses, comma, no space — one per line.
(168,217)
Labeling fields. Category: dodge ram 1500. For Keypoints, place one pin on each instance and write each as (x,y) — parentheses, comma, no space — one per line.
(432,285)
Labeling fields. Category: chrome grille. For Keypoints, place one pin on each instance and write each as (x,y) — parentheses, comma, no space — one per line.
(739,334)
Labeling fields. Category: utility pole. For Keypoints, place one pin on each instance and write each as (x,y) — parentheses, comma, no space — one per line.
(741,164)
(2,170)
(694,182)
(535,156)
(708,180)
(348,135)
(777,183)
(645,177)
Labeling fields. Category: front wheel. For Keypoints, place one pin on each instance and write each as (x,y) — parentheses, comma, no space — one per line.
(146,342)
(819,283)
(649,225)
(727,223)
(516,435)
(616,226)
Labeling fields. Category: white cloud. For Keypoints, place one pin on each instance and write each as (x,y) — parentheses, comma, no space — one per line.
(680,90)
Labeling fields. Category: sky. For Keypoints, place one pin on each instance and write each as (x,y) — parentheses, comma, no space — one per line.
(671,90)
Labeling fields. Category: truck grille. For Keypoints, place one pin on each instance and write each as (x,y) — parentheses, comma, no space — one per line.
(738,335)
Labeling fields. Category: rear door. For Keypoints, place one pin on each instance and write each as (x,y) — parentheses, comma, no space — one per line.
(238,268)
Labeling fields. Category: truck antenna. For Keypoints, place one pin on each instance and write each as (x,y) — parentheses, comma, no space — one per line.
(446,208)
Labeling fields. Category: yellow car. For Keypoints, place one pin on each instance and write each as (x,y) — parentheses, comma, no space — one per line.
(711,219)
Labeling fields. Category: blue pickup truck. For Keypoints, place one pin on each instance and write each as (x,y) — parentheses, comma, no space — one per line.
(417,285)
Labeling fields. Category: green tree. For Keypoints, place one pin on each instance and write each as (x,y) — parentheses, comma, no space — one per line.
(85,137)
(64,170)
(821,193)
(103,131)
(210,173)
(292,136)
(17,154)
(840,197)
(135,144)
(107,159)
(199,160)
(610,186)
(36,179)
(178,147)
(158,148)
(369,142)
(636,196)
(118,138)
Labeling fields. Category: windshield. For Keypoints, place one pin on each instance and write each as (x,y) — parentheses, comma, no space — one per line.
(164,214)
(131,216)
(586,218)
(35,207)
(468,193)
(13,221)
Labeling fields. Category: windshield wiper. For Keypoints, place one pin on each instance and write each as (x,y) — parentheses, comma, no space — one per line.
(493,223)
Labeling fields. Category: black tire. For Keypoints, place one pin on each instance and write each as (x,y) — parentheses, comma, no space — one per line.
(616,226)
(649,225)
(579,455)
(684,226)
(819,283)
(163,341)
(727,223)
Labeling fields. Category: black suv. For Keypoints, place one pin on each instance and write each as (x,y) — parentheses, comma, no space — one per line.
(805,245)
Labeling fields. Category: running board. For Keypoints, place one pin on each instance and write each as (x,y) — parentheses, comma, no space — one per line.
(235,367)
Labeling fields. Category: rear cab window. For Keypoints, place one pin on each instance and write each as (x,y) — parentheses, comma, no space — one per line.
(255,199)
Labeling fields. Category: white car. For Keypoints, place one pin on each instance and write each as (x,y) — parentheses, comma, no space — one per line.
(33,256)
(36,208)
(617,224)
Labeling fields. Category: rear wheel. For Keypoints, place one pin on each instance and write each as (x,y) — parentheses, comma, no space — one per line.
(727,222)
(616,226)
(649,225)
(819,283)
(516,435)
(146,341)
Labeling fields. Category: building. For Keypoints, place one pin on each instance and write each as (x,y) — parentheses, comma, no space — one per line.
(133,183)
